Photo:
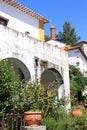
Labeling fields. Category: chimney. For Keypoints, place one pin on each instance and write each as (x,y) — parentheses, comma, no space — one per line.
(52,33)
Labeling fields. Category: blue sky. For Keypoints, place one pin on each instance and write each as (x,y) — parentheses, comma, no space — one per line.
(59,11)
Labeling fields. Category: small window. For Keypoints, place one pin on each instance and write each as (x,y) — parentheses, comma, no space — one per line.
(36,61)
(3,21)
(77,63)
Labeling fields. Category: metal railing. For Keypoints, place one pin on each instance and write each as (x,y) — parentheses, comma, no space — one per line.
(12,121)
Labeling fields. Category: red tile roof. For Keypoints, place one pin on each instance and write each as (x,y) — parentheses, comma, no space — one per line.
(25,10)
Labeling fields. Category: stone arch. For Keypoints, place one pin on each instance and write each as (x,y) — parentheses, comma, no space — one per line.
(20,69)
(51,75)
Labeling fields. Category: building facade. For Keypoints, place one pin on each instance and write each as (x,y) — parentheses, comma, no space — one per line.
(21,19)
(78,56)
(22,43)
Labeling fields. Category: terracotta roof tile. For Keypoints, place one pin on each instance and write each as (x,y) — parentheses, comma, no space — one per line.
(25,10)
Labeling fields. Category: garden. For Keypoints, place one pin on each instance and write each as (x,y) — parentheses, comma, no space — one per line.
(17,97)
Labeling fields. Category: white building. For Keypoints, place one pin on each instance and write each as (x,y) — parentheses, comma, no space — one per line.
(78,56)
(21,19)
(22,42)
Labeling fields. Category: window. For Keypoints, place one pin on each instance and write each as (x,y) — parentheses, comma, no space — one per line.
(3,21)
(77,63)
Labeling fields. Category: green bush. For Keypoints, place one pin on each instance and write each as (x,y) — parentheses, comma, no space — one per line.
(32,96)
(7,84)
(66,121)
(77,84)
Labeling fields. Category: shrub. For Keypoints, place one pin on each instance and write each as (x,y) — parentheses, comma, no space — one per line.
(7,83)
(32,96)
(66,121)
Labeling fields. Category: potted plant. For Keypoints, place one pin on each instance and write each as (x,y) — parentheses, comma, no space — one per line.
(33,114)
(33,118)
(76,111)
(41,101)
(33,97)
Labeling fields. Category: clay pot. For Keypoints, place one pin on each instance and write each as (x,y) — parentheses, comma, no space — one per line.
(76,112)
(32,118)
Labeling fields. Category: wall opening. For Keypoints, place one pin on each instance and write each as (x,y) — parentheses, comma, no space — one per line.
(3,21)
(20,69)
(51,76)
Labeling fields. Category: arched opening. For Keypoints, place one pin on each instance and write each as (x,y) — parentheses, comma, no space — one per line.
(20,69)
(51,76)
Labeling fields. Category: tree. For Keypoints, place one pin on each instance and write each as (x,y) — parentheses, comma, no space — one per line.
(47,38)
(77,84)
(68,35)
(8,83)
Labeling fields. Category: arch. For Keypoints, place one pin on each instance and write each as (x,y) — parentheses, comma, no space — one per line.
(20,69)
(51,75)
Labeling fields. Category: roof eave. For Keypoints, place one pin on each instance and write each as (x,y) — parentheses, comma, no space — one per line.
(25,10)
(80,49)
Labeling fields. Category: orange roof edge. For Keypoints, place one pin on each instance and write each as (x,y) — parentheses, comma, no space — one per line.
(25,10)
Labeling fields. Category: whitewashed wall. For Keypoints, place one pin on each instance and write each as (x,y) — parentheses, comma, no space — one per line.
(76,56)
(20,21)
(24,48)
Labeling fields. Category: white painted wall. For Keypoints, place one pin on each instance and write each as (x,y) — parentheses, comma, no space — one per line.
(19,46)
(20,21)
(56,43)
(76,56)
(85,48)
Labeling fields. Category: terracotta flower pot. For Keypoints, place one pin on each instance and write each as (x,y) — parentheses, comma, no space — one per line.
(76,112)
(33,118)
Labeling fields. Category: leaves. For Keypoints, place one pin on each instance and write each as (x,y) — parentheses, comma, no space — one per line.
(7,83)
(68,36)
(77,82)
(32,96)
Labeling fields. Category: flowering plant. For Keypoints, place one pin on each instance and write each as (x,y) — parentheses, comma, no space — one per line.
(33,96)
